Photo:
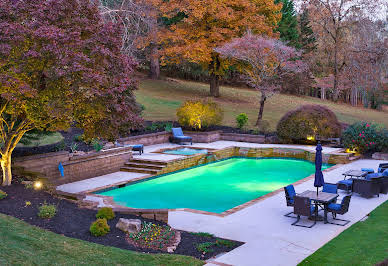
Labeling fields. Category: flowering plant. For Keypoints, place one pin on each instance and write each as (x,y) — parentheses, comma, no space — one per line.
(363,137)
(152,236)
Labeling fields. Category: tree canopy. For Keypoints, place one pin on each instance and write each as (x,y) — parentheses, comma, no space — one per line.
(60,64)
(288,25)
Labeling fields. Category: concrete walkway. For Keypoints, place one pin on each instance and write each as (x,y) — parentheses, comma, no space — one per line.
(270,239)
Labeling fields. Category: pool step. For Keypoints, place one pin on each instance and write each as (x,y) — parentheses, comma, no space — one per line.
(139,170)
(144,165)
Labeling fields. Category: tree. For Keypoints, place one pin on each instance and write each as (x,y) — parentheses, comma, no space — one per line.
(264,61)
(60,65)
(209,24)
(333,18)
(139,21)
(288,25)
(307,40)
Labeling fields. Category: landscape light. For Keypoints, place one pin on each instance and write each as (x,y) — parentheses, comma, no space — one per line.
(38,185)
(311,138)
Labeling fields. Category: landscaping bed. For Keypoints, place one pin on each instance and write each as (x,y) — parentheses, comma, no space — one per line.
(72,221)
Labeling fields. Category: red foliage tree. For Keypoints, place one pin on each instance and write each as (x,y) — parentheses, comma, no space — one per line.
(60,65)
(263,62)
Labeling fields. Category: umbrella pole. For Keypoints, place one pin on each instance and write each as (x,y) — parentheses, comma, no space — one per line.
(317,191)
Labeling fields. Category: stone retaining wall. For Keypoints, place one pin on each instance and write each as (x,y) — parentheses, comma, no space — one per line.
(204,137)
(75,167)
(148,139)
(243,137)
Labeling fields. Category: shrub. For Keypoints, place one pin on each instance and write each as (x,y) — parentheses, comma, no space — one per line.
(308,120)
(205,247)
(3,195)
(47,211)
(106,213)
(199,115)
(99,228)
(242,120)
(365,137)
(97,146)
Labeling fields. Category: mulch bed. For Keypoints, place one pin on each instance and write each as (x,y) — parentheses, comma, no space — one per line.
(74,222)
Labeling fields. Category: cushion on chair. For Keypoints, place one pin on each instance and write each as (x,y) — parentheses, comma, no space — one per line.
(334,206)
(139,146)
(330,188)
(312,209)
(369,170)
(182,137)
(177,131)
(385,173)
(291,192)
(374,175)
(347,182)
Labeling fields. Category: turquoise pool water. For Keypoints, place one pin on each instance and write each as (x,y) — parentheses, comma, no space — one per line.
(185,151)
(214,187)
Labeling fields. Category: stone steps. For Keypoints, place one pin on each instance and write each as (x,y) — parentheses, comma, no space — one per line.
(144,166)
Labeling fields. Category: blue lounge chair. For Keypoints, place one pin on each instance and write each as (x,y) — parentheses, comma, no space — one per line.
(178,137)
(341,209)
(290,194)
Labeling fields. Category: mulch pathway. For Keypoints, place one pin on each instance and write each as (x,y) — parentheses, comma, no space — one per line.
(74,222)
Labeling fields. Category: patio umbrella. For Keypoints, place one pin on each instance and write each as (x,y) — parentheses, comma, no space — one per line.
(318,181)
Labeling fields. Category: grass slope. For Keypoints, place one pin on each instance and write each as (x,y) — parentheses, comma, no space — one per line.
(364,243)
(23,244)
(162,98)
(44,140)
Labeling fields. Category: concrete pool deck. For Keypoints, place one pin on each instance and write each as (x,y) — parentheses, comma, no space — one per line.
(268,235)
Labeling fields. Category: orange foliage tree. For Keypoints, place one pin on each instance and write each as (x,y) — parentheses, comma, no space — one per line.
(209,24)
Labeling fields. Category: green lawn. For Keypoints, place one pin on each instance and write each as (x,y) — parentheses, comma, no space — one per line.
(44,140)
(23,244)
(162,98)
(364,243)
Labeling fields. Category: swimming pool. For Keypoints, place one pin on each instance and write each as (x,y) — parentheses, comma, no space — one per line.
(214,187)
(186,151)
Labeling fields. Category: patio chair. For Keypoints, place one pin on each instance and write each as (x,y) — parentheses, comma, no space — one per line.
(330,188)
(178,137)
(290,194)
(382,167)
(303,207)
(341,209)
(345,184)
(366,187)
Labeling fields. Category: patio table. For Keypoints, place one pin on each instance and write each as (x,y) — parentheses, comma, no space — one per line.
(348,184)
(323,198)
(354,173)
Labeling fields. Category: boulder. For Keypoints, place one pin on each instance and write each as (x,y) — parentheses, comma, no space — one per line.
(129,225)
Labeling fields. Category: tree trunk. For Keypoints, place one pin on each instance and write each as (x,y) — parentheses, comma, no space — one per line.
(154,63)
(214,85)
(262,102)
(335,86)
(6,166)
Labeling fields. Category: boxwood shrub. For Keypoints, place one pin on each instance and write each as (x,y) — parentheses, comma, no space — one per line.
(3,194)
(308,120)
(106,213)
(99,228)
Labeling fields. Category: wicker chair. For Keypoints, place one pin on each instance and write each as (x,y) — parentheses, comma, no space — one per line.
(303,207)
(366,188)
(290,194)
(341,209)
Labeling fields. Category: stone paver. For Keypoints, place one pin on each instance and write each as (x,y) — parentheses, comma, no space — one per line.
(97,182)
(270,239)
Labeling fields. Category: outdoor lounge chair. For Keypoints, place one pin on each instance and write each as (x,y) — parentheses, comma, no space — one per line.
(303,207)
(341,209)
(290,194)
(345,184)
(382,167)
(366,188)
(178,137)
(382,179)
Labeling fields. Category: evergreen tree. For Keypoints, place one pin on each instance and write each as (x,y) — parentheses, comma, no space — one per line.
(307,39)
(288,25)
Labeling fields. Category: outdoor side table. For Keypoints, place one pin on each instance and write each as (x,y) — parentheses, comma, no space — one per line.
(323,198)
